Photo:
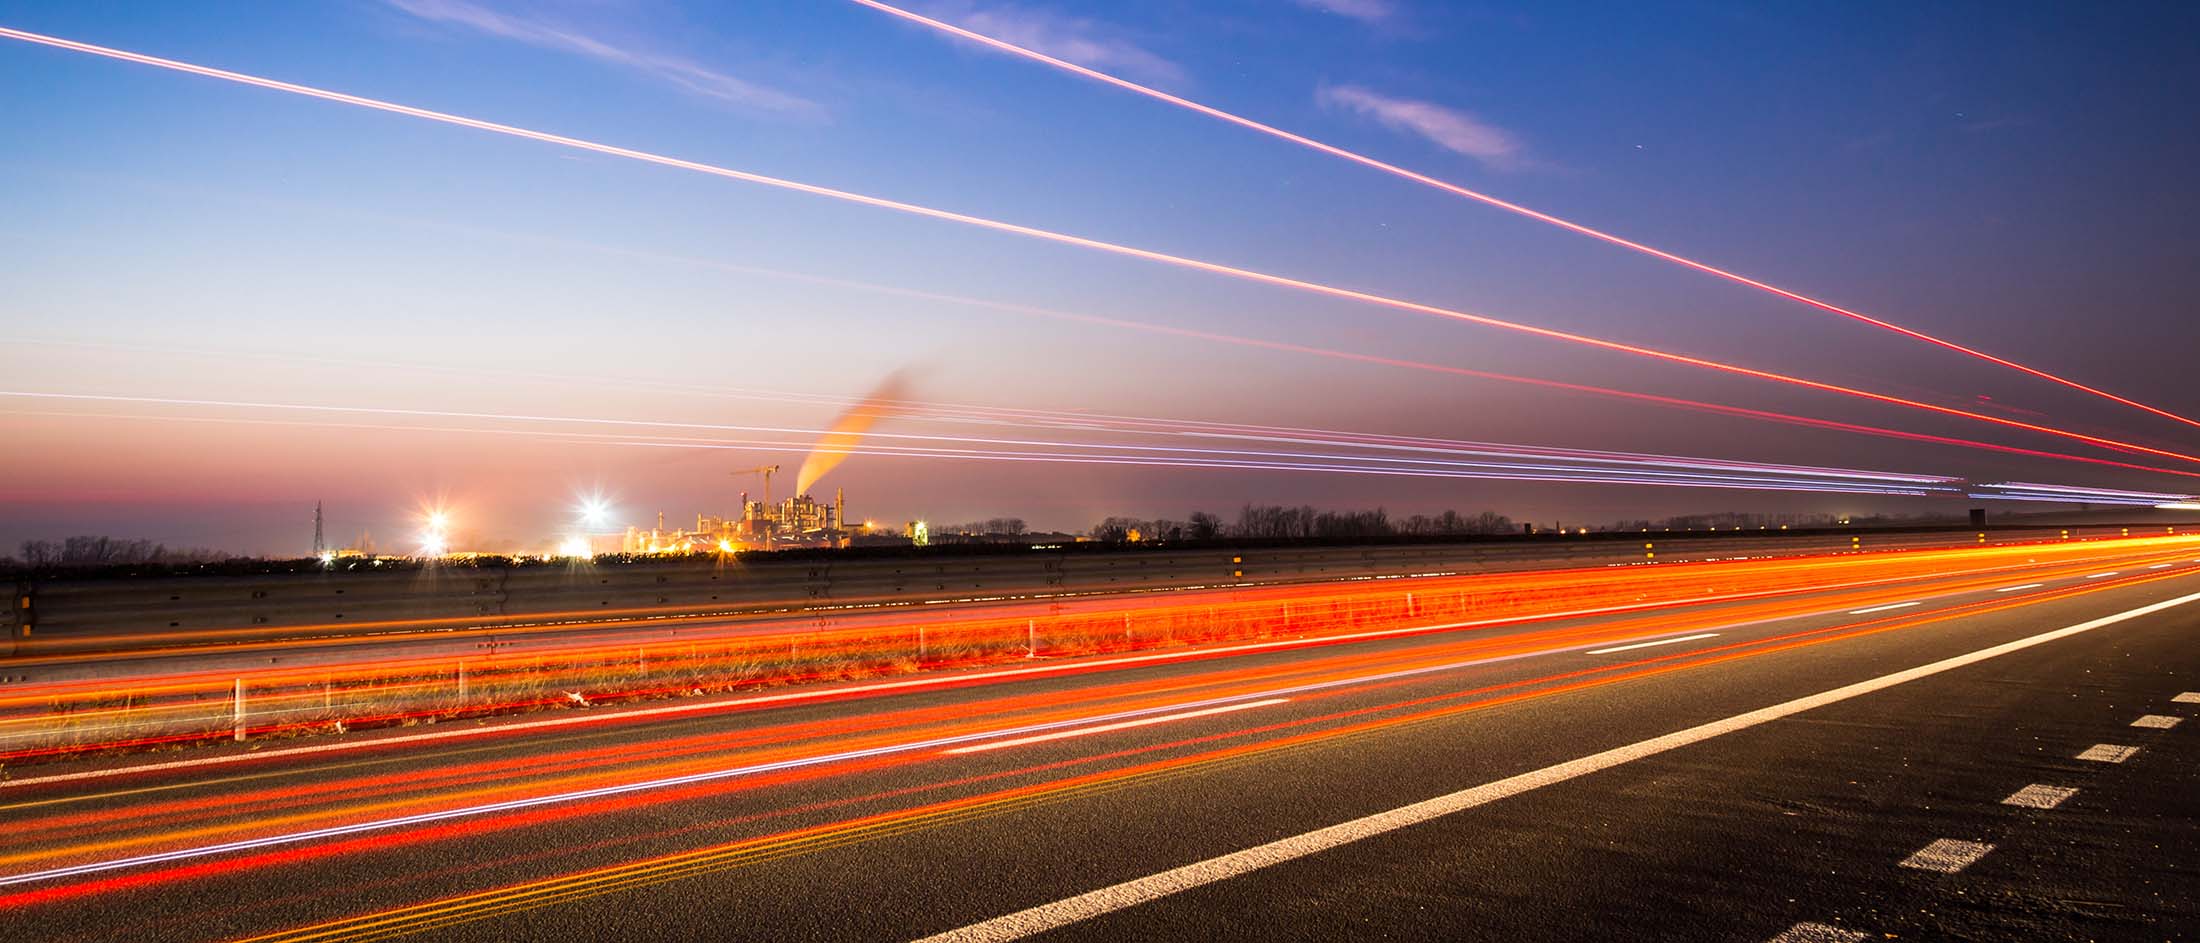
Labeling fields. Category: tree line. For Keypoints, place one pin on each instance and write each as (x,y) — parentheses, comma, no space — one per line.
(1281,522)
(110,551)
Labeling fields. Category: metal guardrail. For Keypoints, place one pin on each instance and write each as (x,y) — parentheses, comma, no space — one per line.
(62,616)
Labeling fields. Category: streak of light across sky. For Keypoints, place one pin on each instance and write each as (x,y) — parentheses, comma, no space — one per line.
(993,415)
(1505,205)
(1525,463)
(1099,245)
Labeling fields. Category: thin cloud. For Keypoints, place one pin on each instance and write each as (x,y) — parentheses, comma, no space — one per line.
(1449,128)
(1366,11)
(680,72)
(1072,39)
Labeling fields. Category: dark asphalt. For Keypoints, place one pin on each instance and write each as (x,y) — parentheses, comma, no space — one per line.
(1803,819)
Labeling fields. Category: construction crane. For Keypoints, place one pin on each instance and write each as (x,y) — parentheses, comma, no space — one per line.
(767,471)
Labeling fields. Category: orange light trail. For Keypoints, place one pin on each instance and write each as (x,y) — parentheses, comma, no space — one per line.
(1263,739)
(1508,206)
(587,770)
(1216,268)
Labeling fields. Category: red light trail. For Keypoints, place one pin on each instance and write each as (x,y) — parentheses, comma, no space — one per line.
(1079,241)
(165,838)
(1507,206)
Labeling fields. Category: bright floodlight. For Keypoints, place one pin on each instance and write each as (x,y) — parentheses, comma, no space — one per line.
(595,512)
(575,547)
(438,519)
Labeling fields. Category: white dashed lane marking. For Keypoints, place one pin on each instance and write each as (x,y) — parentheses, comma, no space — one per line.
(2159,566)
(2189,697)
(1662,641)
(2011,589)
(2156,721)
(2099,575)
(1947,856)
(1899,605)
(1110,728)
(1820,933)
(2108,753)
(1042,918)
(2040,796)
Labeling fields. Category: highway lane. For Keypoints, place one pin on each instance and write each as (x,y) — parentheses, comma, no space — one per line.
(1814,828)
(311,689)
(193,653)
(1060,815)
(1623,630)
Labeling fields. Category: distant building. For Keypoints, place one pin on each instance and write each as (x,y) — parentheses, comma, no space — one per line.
(800,521)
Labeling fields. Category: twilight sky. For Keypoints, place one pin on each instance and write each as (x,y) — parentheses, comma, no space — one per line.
(2018,177)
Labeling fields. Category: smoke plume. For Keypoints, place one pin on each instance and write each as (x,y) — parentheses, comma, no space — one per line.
(847,431)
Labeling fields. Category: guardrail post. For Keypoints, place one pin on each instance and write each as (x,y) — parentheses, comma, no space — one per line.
(461,682)
(237,709)
(1031,638)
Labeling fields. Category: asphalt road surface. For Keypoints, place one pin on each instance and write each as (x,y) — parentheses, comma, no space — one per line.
(1995,757)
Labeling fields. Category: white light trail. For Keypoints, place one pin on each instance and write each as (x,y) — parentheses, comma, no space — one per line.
(1489,200)
(1279,281)
(1532,464)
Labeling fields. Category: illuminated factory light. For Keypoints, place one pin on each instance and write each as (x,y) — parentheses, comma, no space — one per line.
(594,512)
(575,547)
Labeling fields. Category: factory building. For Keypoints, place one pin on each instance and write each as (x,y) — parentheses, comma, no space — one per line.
(800,521)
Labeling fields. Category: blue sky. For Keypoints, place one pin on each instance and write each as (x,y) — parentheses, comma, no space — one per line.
(2012,176)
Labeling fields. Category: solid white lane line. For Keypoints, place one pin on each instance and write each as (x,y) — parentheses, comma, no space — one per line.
(1947,855)
(2157,721)
(1120,725)
(1899,605)
(2011,589)
(2108,753)
(1820,933)
(2040,796)
(2189,697)
(1131,893)
(1662,641)
(2099,575)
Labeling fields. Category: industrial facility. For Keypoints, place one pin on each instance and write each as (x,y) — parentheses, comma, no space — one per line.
(799,521)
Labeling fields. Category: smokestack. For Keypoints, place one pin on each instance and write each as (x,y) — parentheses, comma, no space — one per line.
(840,510)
